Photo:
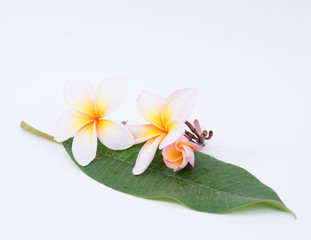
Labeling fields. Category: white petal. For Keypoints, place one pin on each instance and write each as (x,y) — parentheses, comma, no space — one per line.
(150,106)
(80,96)
(179,105)
(144,132)
(110,95)
(69,123)
(114,135)
(174,130)
(84,144)
(146,155)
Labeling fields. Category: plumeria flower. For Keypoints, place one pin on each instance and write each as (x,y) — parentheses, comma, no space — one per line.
(178,154)
(88,119)
(166,117)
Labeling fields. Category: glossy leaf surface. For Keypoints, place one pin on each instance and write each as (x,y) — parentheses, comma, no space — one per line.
(211,186)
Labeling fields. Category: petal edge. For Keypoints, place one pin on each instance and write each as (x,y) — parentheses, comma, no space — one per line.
(114,135)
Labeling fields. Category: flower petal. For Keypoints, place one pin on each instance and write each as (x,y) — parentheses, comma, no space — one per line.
(170,153)
(182,165)
(84,144)
(80,96)
(114,135)
(173,165)
(179,105)
(146,155)
(175,129)
(109,96)
(150,106)
(188,154)
(184,161)
(194,146)
(183,140)
(69,123)
(144,132)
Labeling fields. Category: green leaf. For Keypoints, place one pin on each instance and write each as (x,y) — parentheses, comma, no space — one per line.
(211,186)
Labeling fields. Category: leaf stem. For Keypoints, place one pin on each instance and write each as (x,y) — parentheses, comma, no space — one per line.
(35,131)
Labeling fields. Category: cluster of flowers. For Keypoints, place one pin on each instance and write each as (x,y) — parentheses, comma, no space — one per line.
(167,118)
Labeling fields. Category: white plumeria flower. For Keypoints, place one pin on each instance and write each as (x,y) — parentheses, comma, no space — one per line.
(166,117)
(88,121)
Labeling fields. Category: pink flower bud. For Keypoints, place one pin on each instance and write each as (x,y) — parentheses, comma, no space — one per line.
(177,155)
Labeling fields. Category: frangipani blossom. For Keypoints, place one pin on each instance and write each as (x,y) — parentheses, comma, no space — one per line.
(166,117)
(88,119)
(177,155)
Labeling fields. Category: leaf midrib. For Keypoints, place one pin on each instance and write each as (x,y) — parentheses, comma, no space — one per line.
(185,180)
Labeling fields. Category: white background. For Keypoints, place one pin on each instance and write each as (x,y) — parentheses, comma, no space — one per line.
(251,63)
